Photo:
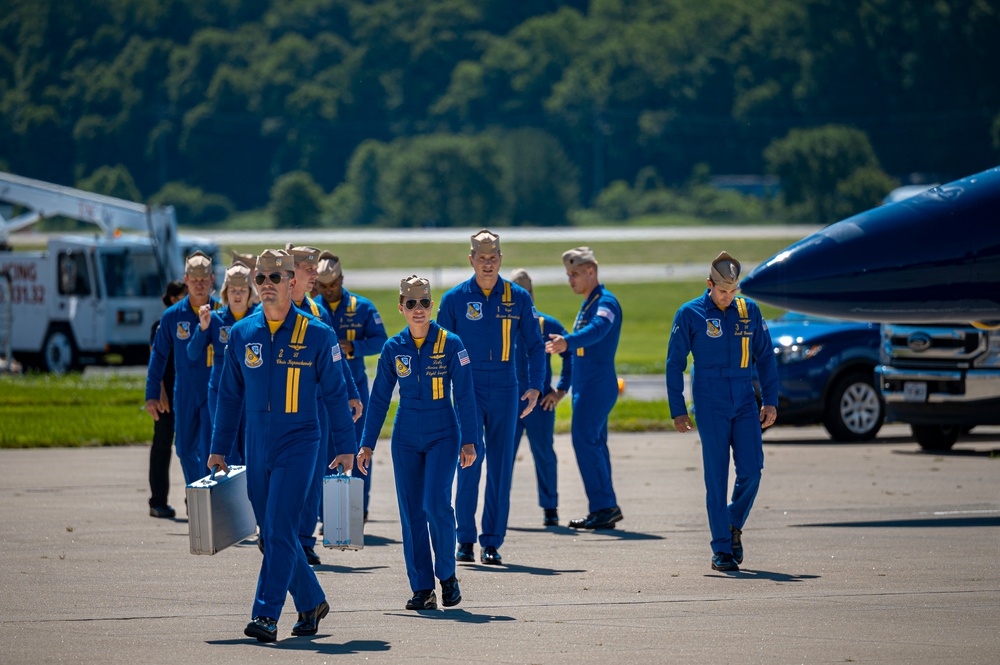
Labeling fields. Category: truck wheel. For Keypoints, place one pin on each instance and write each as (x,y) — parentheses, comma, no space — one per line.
(854,409)
(59,352)
(936,437)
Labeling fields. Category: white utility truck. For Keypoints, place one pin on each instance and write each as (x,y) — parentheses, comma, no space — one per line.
(87,297)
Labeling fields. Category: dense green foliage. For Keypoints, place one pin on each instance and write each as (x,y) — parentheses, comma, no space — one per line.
(415,112)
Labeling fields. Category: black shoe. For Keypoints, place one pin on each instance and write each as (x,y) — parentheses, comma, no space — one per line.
(737,544)
(551,517)
(724,561)
(602,519)
(308,622)
(450,593)
(165,512)
(465,553)
(422,600)
(311,557)
(490,556)
(265,629)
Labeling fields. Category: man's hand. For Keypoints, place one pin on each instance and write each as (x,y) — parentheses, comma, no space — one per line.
(683,424)
(467,455)
(356,408)
(219,461)
(204,316)
(346,460)
(164,402)
(154,408)
(364,459)
(768,414)
(556,344)
(531,397)
(348,347)
(549,401)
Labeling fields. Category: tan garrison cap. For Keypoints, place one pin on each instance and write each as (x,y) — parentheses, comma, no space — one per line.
(578,256)
(238,274)
(303,255)
(198,264)
(329,268)
(271,260)
(486,242)
(245,259)
(725,271)
(414,287)
(521,277)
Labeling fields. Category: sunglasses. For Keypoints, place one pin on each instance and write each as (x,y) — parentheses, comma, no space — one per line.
(425,303)
(275,278)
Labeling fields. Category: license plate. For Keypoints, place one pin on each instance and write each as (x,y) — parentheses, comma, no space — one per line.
(915,391)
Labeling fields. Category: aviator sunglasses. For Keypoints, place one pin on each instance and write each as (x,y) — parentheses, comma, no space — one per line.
(425,303)
(275,278)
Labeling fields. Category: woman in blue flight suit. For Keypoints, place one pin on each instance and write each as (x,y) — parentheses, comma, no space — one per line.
(427,361)
(214,329)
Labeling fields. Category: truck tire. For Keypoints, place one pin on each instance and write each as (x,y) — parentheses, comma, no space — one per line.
(854,409)
(59,353)
(936,437)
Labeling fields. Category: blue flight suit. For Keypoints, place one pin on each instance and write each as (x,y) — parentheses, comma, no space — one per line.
(357,321)
(427,436)
(726,345)
(540,424)
(192,419)
(217,336)
(313,511)
(493,327)
(277,378)
(594,341)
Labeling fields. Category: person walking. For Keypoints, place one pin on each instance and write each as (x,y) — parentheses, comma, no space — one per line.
(430,433)
(593,342)
(281,367)
(728,339)
(493,317)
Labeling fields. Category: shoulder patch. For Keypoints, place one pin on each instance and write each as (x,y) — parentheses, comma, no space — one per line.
(183,329)
(474,311)
(714,327)
(335,353)
(607,313)
(403,365)
(253,357)
(463,357)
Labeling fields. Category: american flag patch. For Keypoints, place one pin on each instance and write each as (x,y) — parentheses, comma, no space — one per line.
(534,312)
(606,313)
(463,357)
(335,350)
(378,318)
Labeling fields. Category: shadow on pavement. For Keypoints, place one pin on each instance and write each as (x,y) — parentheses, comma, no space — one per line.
(515,568)
(975,522)
(327,568)
(747,573)
(460,616)
(311,644)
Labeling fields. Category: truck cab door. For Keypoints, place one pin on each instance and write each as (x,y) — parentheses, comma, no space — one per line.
(78,296)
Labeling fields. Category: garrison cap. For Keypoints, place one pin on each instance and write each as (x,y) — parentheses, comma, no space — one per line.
(414,287)
(303,255)
(486,242)
(238,274)
(725,271)
(521,277)
(578,256)
(246,259)
(271,260)
(329,268)
(198,264)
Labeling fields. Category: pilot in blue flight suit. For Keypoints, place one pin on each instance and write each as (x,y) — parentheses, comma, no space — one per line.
(214,329)
(306,273)
(359,329)
(493,317)
(540,423)
(728,339)
(430,364)
(192,419)
(594,342)
(281,365)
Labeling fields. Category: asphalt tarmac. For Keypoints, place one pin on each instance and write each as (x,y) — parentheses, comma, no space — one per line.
(868,553)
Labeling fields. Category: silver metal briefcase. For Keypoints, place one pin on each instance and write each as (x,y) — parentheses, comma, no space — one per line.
(219,511)
(343,512)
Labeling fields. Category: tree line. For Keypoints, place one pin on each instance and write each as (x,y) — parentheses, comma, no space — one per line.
(443,112)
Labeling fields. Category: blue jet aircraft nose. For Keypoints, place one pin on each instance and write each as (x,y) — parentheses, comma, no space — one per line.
(932,257)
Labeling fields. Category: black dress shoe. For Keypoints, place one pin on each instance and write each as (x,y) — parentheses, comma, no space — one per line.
(602,519)
(465,553)
(308,622)
(425,599)
(737,544)
(265,629)
(724,561)
(450,593)
(551,517)
(490,556)
(165,512)
(311,557)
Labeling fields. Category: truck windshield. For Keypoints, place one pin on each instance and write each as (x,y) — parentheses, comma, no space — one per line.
(130,274)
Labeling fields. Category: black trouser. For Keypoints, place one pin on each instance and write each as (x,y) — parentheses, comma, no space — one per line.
(159,456)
